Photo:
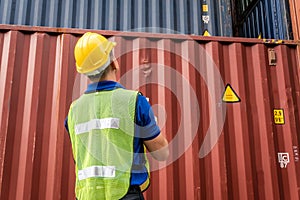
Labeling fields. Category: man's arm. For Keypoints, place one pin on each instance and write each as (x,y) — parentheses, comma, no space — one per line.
(158,147)
(149,131)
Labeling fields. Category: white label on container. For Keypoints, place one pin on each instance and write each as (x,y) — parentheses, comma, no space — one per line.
(283,159)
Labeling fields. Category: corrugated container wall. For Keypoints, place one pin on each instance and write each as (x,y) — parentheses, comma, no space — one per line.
(264,18)
(170,16)
(246,149)
(295,16)
(248,18)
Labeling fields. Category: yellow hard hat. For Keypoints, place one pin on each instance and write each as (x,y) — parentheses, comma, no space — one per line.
(92,52)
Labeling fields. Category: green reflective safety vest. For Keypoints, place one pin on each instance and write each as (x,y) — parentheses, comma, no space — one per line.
(101,128)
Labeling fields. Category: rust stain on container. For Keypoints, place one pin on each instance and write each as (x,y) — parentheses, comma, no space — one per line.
(242,151)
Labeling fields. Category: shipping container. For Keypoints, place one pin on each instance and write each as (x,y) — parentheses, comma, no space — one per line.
(263,18)
(170,16)
(248,18)
(228,106)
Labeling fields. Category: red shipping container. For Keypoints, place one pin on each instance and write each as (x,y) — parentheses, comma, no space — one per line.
(228,106)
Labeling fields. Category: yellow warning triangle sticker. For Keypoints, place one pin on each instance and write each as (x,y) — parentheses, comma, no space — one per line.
(206,33)
(229,95)
(259,36)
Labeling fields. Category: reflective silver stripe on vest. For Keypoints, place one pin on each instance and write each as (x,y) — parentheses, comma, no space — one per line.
(97,171)
(97,124)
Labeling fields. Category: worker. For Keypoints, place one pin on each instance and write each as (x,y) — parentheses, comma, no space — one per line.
(110,128)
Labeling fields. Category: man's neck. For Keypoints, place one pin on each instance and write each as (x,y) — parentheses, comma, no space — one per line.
(109,77)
